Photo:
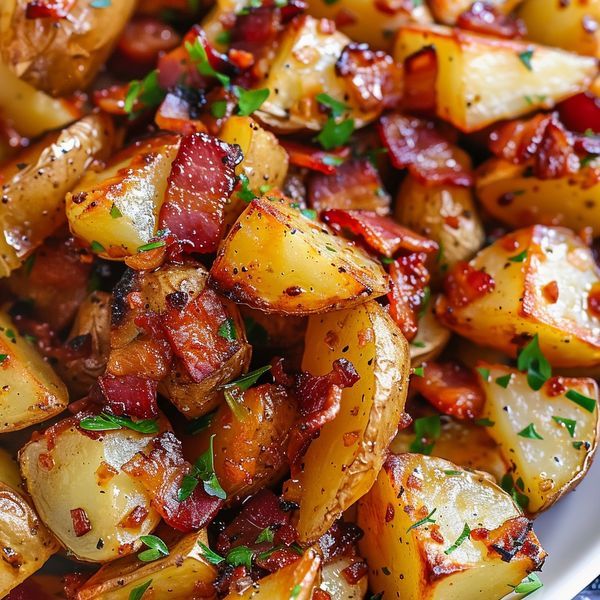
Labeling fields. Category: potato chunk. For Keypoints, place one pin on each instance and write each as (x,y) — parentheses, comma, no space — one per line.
(543,278)
(277,260)
(31,391)
(482,79)
(342,463)
(448,11)
(548,438)
(436,532)
(511,195)
(75,475)
(181,575)
(116,210)
(431,337)
(334,582)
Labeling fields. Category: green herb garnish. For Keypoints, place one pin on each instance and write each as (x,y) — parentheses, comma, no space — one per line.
(525,57)
(156,548)
(198,55)
(424,521)
(518,258)
(140,590)
(427,430)
(250,100)
(227,330)
(504,380)
(569,424)
(585,402)
(151,246)
(106,422)
(529,585)
(209,555)
(530,433)
(534,363)
(461,538)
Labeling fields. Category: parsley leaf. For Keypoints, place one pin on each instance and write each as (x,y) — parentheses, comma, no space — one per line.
(337,108)
(151,246)
(250,100)
(227,330)
(156,548)
(295,592)
(266,535)
(240,555)
(247,380)
(199,424)
(418,371)
(427,430)
(529,585)
(569,424)
(209,555)
(137,592)
(585,402)
(525,57)
(504,380)
(115,213)
(106,422)
(335,134)
(485,373)
(532,361)
(147,91)
(97,247)
(245,193)
(427,519)
(461,538)
(197,53)
(517,258)
(218,109)
(484,422)
(530,433)
(515,489)
(3,357)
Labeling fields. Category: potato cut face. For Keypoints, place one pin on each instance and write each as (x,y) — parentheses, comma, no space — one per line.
(342,463)
(448,11)
(277,260)
(513,197)
(31,391)
(550,466)
(118,208)
(83,471)
(483,79)
(523,265)
(178,576)
(335,583)
(296,581)
(431,337)
(438,560)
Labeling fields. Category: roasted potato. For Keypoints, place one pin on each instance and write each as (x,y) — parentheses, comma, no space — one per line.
(510,194)
(30,111)
(31,391)
(421,523)
(548,438)
(64,55)
(538,280)
(116,210)
(570,25)
(295,581)
(342,463)
(335,583)
(481,79)
(276,260)
(448,11)
(250,441)
(181,575)
(75,480)
(33,195)
(431,337)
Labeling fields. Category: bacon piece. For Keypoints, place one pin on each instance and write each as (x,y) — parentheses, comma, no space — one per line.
(318,403)
(409,279)
(81,522)
(420,75)
(381,233)
(556,156)
(374,78)
(355,572)
(484,17)
(518,140)
(313,158)
(48,9)
(112,99)
(201,181)
(29,590)
(415,144)
(130,395)
(451,388)
(193,333)
(160,472)
(465,283)
(339,540)
(354,185)
(581,112)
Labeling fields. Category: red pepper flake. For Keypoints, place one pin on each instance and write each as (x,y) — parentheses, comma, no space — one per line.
(319,594)
(46,461)
(550,291)
(555,386)
(479,534)
(81,522)
(135,518)
(350,438)
(355,572)
(389,512)
(465,284)
(436,534)
(452,221)
(594,300)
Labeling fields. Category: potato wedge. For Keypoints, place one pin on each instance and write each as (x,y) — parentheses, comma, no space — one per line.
(482,79)
(60,56)
(412,558)
(342,463)
(511,195)
(522,265)
(431,337)
(31,391)
(295,581)
(277,260)
(33,197)
(9,470)
(549,439)
(335,583)
(570,25)
(72,474)
(118,208)
(181,575)
(447,11)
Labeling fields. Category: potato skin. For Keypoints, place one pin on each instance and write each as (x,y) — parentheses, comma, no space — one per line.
(60,56)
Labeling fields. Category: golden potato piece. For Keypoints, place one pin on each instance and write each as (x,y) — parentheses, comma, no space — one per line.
(116,210)
(342,463)
(543,277)
(277,260)
(33,197)
(548,438)
(431,338)
(73,475)
(482,79)
(511,195)
(31,391)
(335,583)
(433,531)
(181,575)
(448,11)
(60,56)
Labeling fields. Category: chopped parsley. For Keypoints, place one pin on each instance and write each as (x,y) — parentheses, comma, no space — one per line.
(199,424)
(156,548)
(218,109)
(295,591)
(97,247)
(577,445)
(534,363)
(484,422)
(106,422)
(569,424)
(115,213)
(530,584)
(240,556)
(147,91)
(151,246)
(227,330)
(197,53)
(223,37)
(335,134)
(336,107)
(525,57)
(309,213)
(202,470)
(530,433)
(210,555)
(504,380)
(585,402)
(485,373)
(3,357)
(245,193)
(137,592)
(419,371)
(427,431)
(424,521)
(515,489)
(518,258)
(266,535)
(250,100)
(461,538)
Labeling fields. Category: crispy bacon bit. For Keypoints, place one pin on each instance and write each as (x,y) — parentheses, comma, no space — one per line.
(392,7)
(193,333)
(555,386)
(465,284)
(551,291)
(130,395)
(81,522)
(135,518)
(202,179)
(355,572)
(415,144)
(48,9)
(581,112)
(104,473)
(112,101)
(451,388)
(518,140)
(409,277)
(339,540)
(420,75)
(375,79)
(302,155)
(381,233)
(389,512)
(508,539)
(479,534)
(160,472)
(318,403)
(594,300)
(318,594)
(46,461)
(556,156)
(484,17)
